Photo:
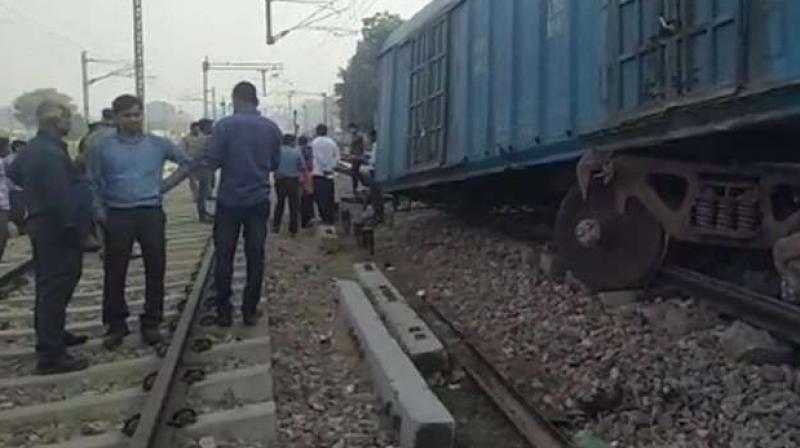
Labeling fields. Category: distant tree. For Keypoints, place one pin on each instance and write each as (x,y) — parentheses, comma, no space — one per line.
(358,92)
(24,110)
(25,105)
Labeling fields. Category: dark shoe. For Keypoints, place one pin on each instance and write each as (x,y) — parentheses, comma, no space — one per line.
(224,320)
(71,340)
(251,319)
(151,336)
(115,338)
(65,364)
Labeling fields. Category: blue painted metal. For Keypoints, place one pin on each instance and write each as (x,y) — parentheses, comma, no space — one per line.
(539,81)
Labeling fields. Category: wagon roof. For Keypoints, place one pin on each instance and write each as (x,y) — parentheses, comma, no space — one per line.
(408,29)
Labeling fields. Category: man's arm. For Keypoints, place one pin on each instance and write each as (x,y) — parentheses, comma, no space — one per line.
(186,166)
(275,146)
(59,189)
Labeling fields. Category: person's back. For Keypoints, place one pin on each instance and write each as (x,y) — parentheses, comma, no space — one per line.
(292,164)
(246,146)
(326,155)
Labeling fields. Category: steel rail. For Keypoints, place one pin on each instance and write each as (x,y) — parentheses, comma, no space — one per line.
(8,277)
(758,309)
(153,419)
(528,421)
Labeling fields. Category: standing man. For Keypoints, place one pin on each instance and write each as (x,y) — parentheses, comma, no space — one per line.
(246,147)
(194,145)
(125,170)
(51,185)
(326,157)
(307,183)
(287,184)
(356,155)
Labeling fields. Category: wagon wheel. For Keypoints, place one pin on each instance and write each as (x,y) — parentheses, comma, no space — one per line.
(606,250)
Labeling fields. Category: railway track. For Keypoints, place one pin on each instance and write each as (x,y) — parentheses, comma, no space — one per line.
(115,402)
(532,425)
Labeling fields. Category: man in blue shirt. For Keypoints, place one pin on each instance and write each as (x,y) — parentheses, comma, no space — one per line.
(125,170)
(246,147)
(287,184)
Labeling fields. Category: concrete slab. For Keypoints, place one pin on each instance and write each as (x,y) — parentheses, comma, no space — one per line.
(248,385)
(92,328)
(110,440)
(616,299)
(328,239)
(424,421)
(414,335)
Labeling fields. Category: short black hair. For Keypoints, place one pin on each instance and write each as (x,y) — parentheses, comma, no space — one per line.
(302,141)
(194,124)
(206,125)
(245,91)
(125,102)
(352,126)
(322,130)
(108,114)
(289,139)
(16,145)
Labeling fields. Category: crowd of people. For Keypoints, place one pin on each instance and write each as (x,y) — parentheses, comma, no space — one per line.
(111,197)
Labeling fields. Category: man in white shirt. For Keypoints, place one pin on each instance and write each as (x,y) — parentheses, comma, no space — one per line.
(326,157)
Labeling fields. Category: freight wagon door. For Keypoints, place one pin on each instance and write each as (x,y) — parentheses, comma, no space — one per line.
(671,51)
(428,102)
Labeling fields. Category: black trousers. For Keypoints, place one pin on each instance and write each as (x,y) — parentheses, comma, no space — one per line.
(58,264)
(324,196)
(145,225)
(200,184)
(306,209)
(356,174)
(17,216)
(287,188)
(228,223)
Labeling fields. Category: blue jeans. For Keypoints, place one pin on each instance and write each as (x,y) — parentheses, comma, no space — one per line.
(228,223)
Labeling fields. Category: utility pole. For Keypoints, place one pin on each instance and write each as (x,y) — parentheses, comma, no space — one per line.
(206,68)
(261,67)
(85,83)
(125,71)
(325,108)
(138,49)
(214,102)
(270,37)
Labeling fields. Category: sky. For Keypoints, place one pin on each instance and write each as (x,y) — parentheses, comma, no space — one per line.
(41,42)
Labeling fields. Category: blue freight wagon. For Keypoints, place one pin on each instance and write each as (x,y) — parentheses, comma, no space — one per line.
(675,120)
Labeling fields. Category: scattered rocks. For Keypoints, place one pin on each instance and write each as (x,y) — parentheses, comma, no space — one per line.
(655,376)
(207,442)
(744,343)
(95,428)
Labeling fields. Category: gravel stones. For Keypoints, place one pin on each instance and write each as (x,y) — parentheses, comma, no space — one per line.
(653,376)
(747,344)
(323,394)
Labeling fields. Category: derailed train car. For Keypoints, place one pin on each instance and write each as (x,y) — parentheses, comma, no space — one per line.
(655,120)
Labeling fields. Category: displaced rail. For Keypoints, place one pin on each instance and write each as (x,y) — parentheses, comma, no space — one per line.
(530,423)
(758,309)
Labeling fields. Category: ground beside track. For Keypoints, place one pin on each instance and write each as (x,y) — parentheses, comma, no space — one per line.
(662,357)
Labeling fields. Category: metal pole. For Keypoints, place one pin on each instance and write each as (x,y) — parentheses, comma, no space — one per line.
(205,87)
(296,124)
(85,83)
(214,102)
(270,37)
(264,82)
(325,108)
(224,105)
(305,118)
(138,42)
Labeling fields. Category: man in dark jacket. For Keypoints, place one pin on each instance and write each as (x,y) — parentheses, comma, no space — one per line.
(246,147)
(57,219)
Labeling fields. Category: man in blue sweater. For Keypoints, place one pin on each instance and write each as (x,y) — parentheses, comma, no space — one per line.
(246,147)
(125,170)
